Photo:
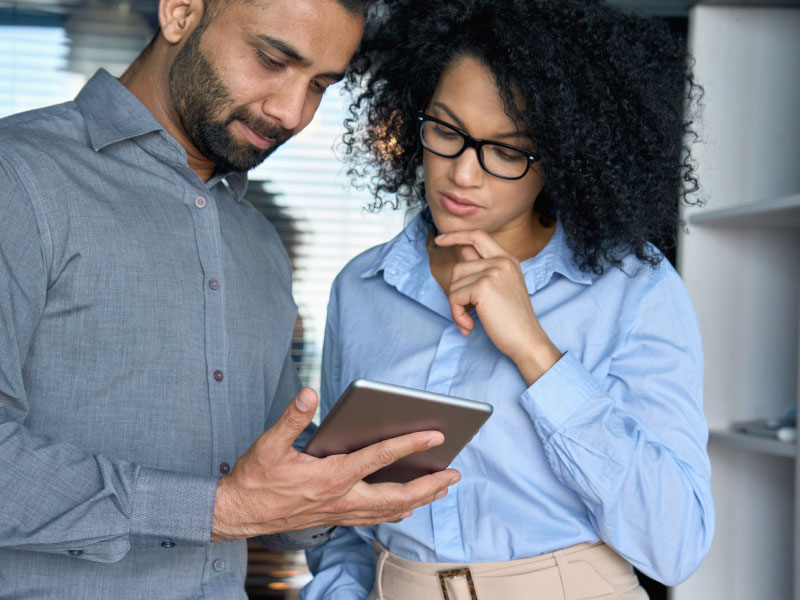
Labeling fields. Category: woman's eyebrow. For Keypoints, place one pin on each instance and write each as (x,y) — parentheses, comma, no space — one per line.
(516,135)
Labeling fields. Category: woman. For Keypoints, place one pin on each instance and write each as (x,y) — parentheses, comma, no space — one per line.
(544,141)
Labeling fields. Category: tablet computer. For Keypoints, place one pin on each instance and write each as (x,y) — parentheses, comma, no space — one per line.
(369,412)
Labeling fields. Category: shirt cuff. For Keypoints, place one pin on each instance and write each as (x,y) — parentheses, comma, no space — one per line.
(171,509)
(297,540)
(560,393)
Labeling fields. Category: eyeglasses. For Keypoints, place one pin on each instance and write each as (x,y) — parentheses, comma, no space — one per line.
(496,158)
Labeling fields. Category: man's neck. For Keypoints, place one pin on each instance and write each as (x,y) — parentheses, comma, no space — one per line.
(148,80)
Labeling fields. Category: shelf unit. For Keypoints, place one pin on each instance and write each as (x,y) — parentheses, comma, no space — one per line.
(740,259)
(753,443)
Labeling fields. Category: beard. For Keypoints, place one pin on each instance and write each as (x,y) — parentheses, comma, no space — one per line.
(199,97)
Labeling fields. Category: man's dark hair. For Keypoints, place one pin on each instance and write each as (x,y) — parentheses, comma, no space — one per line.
(605,95)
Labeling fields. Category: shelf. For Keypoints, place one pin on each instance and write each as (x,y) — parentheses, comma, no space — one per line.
(779,212)
(753,443)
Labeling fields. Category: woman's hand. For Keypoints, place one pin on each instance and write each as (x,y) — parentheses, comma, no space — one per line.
(490,279)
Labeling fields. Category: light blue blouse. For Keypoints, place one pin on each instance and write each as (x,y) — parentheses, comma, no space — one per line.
(609,444)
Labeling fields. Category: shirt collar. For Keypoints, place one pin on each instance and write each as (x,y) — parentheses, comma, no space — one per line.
(406,252)
(113,114)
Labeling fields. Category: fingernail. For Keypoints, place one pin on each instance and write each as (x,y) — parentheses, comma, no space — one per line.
(408,514)
(440,495)
(436,440)
(302,402)
(455,480)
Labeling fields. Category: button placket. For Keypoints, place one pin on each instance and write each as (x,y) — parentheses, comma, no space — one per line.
(208,233)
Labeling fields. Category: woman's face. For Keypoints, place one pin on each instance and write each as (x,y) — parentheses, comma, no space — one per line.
(461,195)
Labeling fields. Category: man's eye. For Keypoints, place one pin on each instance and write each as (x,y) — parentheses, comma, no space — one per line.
(268,61)
(319,87)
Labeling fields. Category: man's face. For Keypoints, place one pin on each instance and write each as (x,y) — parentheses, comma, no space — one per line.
(253,76)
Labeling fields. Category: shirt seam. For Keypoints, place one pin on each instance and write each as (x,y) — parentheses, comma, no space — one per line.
(37,205)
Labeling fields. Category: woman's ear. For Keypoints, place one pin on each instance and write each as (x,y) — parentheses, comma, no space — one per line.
(178,18)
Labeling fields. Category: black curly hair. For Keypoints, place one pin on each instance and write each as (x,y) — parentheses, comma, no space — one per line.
(608,98)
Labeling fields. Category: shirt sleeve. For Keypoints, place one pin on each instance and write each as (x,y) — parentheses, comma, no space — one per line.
(55,497)
(633,447)
(343,568)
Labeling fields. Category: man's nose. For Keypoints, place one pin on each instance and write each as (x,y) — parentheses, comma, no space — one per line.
(286,105)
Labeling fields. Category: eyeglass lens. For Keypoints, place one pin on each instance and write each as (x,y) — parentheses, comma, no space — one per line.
(498,160)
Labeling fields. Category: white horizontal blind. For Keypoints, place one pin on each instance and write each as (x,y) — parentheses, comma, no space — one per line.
(305,192)
(32,61)
(301,188)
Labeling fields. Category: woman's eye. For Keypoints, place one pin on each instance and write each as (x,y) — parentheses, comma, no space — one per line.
(445,132)
(507,155)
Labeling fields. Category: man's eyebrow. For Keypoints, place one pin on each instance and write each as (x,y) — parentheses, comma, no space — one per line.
(293,54)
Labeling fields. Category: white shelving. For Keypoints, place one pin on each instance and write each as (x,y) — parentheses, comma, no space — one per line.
(776,212)
(753,443)
(741,263)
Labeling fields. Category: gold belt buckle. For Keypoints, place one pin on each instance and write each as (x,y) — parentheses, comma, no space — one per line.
(451,573)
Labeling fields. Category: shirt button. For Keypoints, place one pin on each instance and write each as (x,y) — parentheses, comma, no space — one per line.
(218,564)
(218,376)
(213,284)
(224,468)
(167,544)
(200,202)
(75,552)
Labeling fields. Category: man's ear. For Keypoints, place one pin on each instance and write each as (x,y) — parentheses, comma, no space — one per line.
(178,18)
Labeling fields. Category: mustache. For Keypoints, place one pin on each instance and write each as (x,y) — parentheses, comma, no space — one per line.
(262,127)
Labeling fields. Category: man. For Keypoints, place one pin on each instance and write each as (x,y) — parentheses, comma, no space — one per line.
(146,316)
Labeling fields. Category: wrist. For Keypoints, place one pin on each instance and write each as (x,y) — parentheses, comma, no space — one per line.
(537,361)
(223,527)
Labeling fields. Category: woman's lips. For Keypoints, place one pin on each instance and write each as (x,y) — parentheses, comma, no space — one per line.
(255,139)
(460,207)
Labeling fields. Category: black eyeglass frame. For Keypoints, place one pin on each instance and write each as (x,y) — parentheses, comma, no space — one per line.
(477,144)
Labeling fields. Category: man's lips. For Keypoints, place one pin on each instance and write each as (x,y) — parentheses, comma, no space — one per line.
(257,140)
(458,206)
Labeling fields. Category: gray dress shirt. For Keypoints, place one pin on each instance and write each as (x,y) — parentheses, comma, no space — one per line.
(145,328)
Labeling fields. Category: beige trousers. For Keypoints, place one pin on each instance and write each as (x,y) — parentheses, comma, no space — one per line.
(575,573)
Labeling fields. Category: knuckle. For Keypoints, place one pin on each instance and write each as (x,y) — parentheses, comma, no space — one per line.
(385,456)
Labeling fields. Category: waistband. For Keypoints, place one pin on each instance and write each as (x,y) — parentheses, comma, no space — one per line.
(582,571)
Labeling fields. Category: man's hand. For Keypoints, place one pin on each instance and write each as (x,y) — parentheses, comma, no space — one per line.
(275,488)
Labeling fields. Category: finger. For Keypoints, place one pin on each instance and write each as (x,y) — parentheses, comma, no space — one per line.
(484,265)
(461,295)
(461,317)
(372,458)
(294,419)
(428,488)
(481,241)
(469,253)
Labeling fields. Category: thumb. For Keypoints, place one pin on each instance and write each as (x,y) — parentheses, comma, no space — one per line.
(295,418)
